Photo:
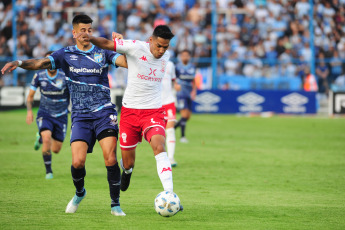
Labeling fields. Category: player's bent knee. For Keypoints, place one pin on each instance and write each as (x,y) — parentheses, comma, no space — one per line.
(78,164)
(110,159)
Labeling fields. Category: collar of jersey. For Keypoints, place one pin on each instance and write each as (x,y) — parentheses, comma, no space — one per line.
(52,78)
(87,51)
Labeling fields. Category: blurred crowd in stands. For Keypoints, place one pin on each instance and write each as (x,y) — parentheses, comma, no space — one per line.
(255,38)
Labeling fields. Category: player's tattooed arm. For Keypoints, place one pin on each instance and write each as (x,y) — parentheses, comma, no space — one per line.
(30,64)
(35,64)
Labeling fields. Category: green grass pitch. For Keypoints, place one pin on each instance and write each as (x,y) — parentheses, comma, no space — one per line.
(236,173)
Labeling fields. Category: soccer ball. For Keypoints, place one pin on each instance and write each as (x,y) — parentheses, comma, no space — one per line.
(167,204)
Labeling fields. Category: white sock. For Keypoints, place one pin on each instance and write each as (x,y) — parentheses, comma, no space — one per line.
(171,142)
(164,171)
(127,171)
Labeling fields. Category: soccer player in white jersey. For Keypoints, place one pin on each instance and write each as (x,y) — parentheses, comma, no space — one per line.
(142,114)
(168,101)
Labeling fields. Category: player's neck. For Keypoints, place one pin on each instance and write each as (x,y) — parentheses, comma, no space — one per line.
(51,73)
(84,48)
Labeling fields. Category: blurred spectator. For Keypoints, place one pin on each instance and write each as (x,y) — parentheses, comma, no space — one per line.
(322,73)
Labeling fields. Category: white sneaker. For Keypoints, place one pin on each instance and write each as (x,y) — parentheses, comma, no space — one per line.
(72,206)
(184,140)
(173,162)
(117,211)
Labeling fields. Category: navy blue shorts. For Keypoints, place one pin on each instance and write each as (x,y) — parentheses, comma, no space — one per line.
(87,126)
(184,103)
(57,125)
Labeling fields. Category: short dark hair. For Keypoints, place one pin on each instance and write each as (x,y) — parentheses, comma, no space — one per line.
(82,18)
(48,53)
(188,51)
(163,31)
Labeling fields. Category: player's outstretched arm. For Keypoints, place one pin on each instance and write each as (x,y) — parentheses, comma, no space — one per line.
(29,103)
(30,64)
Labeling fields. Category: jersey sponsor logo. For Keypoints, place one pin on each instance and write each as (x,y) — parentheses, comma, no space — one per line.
(124,137)
(84,70)
(98,57)
(153,71)
(166,170)
(152,121)
(295,103)
(143,58)
(73,57)
(43,84)
(147,78)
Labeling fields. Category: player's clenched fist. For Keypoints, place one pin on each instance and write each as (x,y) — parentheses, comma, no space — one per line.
(82,36)
(116,35)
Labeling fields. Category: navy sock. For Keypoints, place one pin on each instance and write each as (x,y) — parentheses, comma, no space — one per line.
(114,179)
(183,126)
(47,158)
(78,180)
(178,124)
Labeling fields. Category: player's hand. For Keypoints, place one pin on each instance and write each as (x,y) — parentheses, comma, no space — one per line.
(82,36)
(177,87)
(9,67)
(116,35)
(29,118)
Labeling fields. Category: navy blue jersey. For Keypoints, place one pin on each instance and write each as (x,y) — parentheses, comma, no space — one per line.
(185,75)
(86,75)
(54,93)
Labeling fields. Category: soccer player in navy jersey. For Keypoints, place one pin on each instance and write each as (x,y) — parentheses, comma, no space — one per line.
(52,113)
(185,74)
(93,114)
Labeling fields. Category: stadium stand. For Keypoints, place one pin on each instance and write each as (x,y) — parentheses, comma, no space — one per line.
(255,38)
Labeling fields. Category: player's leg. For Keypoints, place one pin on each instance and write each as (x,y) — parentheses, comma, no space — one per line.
(185,113)
(46,152)
(82,142)
(108,145)
(38,141)
(130,136)
(127,165)
(154,133)
(79,152)
(157,142)
(56,146)
(171,142)
(59,133)
(170,132)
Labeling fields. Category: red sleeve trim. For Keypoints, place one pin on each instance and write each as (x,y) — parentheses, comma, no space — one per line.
(114,45)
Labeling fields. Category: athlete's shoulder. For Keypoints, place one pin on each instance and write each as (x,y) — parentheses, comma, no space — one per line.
(62,73)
